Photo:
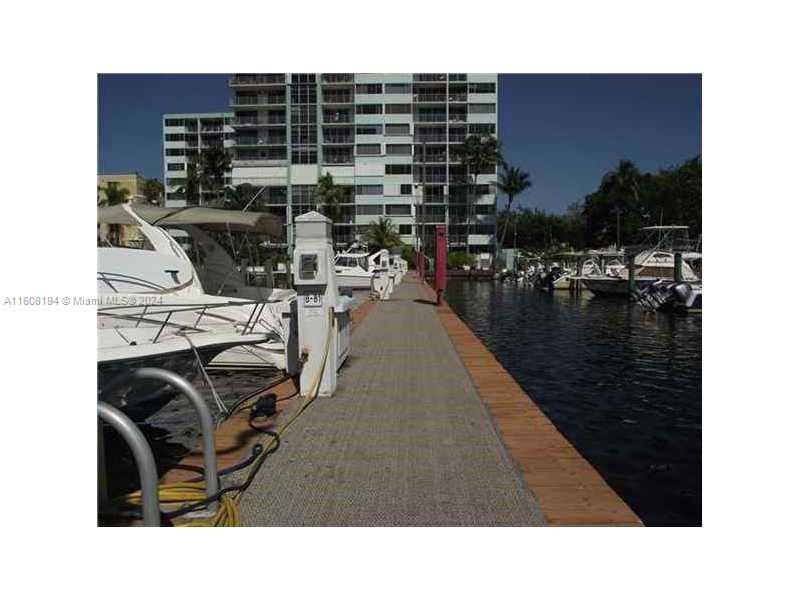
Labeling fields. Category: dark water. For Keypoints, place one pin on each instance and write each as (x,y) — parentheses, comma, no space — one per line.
(622,385)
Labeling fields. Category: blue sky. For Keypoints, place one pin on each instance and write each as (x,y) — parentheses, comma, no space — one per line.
(566,130)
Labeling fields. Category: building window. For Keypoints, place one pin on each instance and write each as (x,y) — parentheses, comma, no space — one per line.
(483,109)
(457,77)
(398,109)
(369,129)
(304,156)
(398,209)
(481,88)
(484,209)
(369,109)
(398,149)
(405,189)
(368,149)
(398,128)
(174,152)
(173,137)
(397,88)
(303,78)
(173,122)
(369,190)
(482,129)
(369,88)
(369,209)
(175,166)
(398,169)
(404,229)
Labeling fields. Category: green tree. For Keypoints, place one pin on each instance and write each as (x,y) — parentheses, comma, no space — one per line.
(479,154)
(113,194)
(239,197)
(329,197)
(622,186)
(153,191)
(513,181)
(214,163)
(382,234)
(191,188)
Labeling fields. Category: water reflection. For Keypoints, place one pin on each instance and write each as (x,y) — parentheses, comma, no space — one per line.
(622,385)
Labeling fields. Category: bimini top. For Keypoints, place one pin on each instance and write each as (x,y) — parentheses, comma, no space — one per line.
(212,218)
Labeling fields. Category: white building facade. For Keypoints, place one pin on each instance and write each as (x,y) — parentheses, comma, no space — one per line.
(387,138)
(184,136)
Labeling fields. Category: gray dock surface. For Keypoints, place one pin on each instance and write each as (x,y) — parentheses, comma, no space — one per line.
(406,440)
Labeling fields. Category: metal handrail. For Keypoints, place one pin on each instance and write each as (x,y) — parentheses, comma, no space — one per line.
(201,408)
(145,463)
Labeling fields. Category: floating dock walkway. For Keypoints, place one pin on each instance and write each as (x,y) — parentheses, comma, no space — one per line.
(426,429)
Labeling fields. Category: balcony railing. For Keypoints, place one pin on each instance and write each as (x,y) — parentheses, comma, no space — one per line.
(345,159)
(337,118)
(430,118)
(430,97)
(244,121)
(251,141)
(458,117)
(430,77)
(430,137)
(337,98)
(258,100)
(270,79)
(338,139)
(337,78)
(457,98)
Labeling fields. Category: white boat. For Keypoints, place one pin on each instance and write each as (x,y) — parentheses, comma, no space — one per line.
(359,270)
(656,261)
(158,278)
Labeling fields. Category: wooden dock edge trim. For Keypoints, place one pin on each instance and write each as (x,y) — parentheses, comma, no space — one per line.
(235,437)
(569,490)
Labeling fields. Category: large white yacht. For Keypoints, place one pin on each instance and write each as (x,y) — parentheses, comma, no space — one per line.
(153,307)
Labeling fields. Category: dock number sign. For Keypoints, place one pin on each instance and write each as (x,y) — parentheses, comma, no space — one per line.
(312,300)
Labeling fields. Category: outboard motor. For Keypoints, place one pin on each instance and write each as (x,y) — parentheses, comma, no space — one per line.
(682,291)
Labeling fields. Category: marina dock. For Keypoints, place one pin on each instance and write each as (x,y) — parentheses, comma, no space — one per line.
(426,428)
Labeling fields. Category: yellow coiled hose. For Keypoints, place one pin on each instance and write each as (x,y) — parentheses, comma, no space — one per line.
(227,514)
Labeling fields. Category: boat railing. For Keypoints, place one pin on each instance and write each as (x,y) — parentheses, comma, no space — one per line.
(150,314)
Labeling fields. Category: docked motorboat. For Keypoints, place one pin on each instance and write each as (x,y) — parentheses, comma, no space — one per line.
(156,285)
(654,262)
(358,269)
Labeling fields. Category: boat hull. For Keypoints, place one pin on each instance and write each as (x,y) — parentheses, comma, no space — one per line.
(613,286)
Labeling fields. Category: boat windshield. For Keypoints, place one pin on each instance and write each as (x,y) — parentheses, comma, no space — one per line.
(122,236)
(351,261)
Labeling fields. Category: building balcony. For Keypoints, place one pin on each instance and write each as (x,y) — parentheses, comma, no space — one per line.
(430,137)
(252,142)
(337,119)
(338,139)
(257,80)
(258,100)
(429,77)
(338,77)
(457,97)
(260,162)
(458,118)
(258,122)
(431,118)
(430,98)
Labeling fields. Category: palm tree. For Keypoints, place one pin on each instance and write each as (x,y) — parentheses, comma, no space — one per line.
(191,189)
(214,163)
(236,198)
(513,181)
(622,185)
(328,194)
(382,234)
(113,194)
(477,153)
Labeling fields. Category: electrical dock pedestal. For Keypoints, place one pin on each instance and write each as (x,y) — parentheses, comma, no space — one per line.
(323,315)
